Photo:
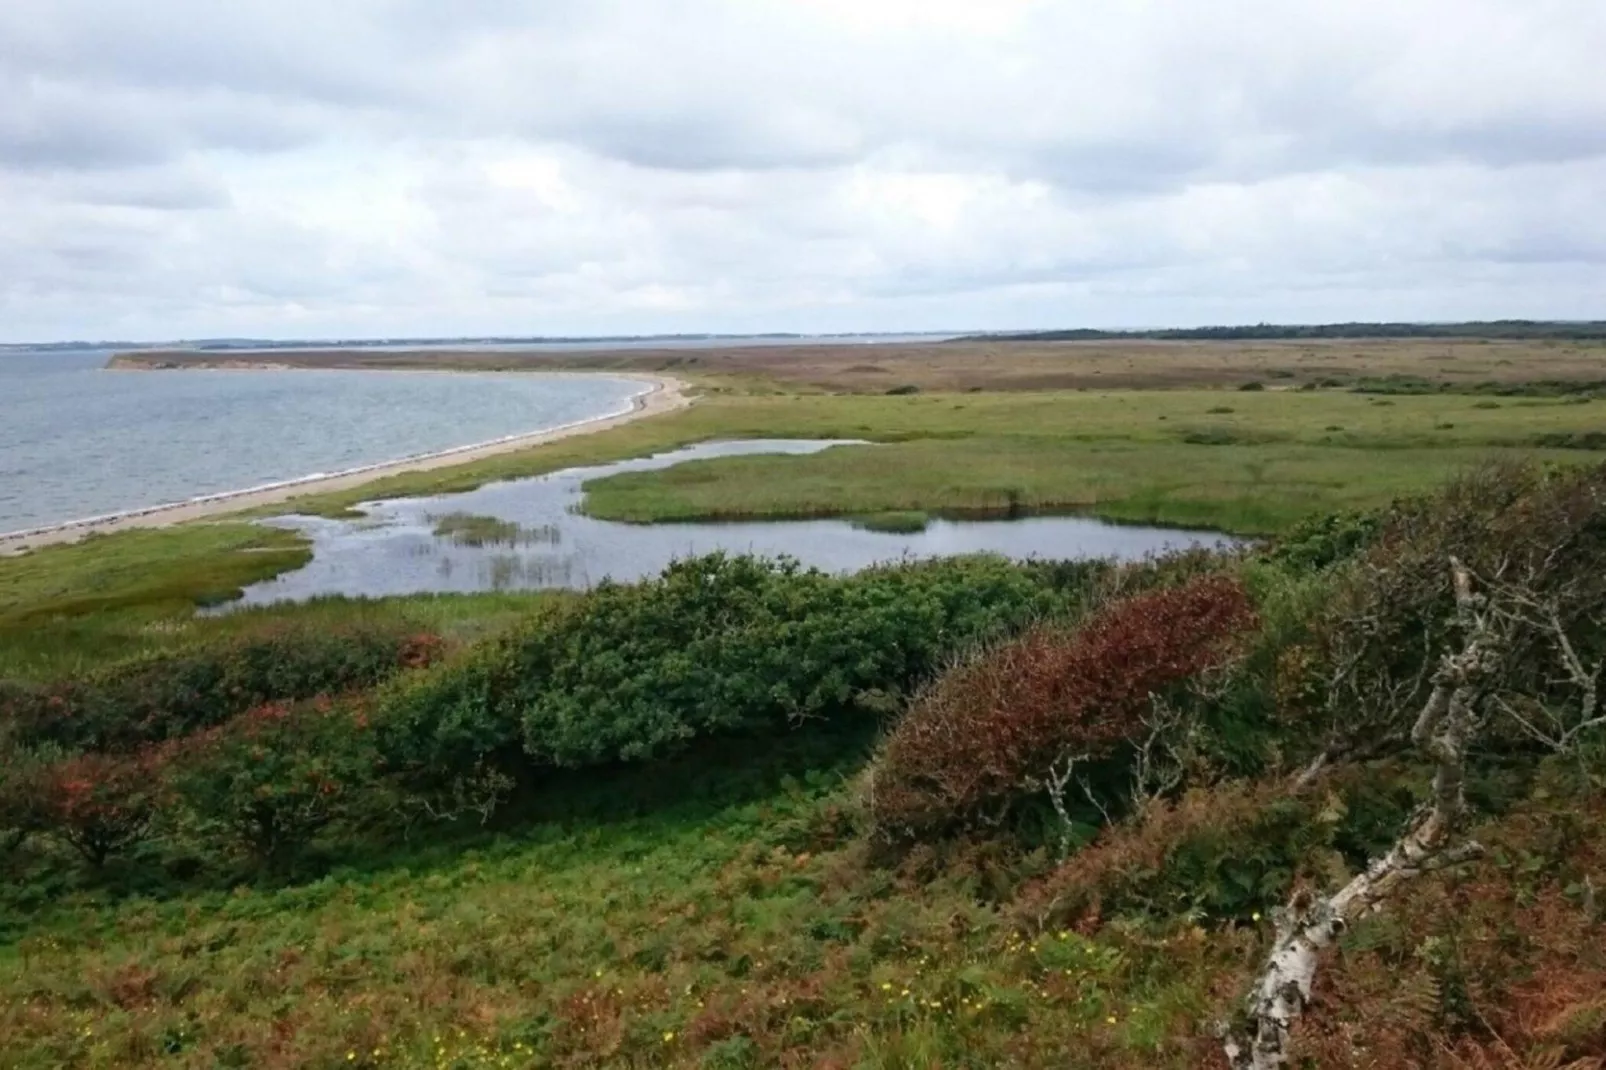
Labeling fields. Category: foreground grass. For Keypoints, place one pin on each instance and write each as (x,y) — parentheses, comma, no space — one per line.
(741,930)
(718,912)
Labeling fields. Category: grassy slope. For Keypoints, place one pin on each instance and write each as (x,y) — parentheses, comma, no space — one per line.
(605,939)
(715,913)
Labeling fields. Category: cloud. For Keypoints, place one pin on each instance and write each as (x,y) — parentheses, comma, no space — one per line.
(183,168)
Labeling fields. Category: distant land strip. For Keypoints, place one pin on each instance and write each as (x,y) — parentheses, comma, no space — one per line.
(1503,330)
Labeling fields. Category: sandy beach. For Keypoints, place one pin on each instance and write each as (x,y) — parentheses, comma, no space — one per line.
(662,394)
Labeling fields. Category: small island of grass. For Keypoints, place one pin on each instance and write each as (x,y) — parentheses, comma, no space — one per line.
(469,529)
(900,522)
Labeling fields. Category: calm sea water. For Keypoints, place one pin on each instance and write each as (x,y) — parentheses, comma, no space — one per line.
(394,549)
(78,441)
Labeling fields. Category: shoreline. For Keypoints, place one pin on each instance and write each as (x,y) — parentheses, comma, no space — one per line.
(662,394)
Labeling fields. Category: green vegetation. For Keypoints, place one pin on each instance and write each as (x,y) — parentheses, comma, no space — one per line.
(894,523)
(112,595)
(1150,456)
(965,813)
(467,529)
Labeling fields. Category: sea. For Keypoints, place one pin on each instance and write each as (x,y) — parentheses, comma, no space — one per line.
(78,440)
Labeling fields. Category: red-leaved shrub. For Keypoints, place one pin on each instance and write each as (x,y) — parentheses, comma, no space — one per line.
(989,729)
(100,804)
(268,781)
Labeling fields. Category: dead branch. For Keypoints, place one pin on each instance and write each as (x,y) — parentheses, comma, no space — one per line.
(1446,726)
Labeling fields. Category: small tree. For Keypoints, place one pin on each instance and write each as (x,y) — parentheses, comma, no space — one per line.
(1490,676)
(99,804)
(273,778)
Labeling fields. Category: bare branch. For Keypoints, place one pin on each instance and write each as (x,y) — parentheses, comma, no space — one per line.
(1444,729)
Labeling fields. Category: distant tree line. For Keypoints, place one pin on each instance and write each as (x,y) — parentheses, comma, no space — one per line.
(1510,330)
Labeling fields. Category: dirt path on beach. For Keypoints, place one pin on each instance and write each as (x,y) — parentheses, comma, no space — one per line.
(665,394)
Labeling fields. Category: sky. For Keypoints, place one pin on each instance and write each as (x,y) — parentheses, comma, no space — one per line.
(384,168)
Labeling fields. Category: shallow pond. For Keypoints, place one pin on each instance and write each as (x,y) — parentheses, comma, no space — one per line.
(525,534)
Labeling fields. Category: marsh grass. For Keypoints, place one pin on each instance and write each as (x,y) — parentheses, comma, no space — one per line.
(904,523)
(1116,454)
(468,529)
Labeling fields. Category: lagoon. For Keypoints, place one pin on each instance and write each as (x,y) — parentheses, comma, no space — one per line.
(528,534)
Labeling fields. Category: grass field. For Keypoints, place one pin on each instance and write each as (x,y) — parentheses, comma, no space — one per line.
(1246,462)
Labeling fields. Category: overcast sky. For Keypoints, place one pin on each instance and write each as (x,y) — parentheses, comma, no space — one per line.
(303,168)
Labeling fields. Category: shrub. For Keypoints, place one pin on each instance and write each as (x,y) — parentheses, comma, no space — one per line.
(1224,851)
(98,804)
(904,390)
(152,699)
(1228,850)
(991,729)
(722,644)
(22,775)
(1321,541)
(1538,532)
(715,645)
(1253,385)
(272,778)
(1570,440)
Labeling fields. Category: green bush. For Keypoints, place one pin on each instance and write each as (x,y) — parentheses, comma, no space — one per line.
(22,779)
(438,725)
(731,644)
(1322,541)
(272,778)
(715,645)
(156,698)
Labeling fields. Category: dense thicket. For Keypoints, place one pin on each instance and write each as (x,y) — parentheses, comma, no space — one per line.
(248,747)
(715,645)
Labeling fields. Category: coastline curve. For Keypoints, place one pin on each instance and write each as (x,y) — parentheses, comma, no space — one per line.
(660,394)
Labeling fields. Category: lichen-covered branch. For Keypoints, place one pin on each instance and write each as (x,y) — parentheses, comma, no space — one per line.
(1444,729)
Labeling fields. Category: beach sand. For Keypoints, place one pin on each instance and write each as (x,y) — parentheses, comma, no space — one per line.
(663,394)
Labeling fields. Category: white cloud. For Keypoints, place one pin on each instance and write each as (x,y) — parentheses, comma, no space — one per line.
(185,168)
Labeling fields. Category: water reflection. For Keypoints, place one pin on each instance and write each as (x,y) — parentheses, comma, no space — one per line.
(524,534)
